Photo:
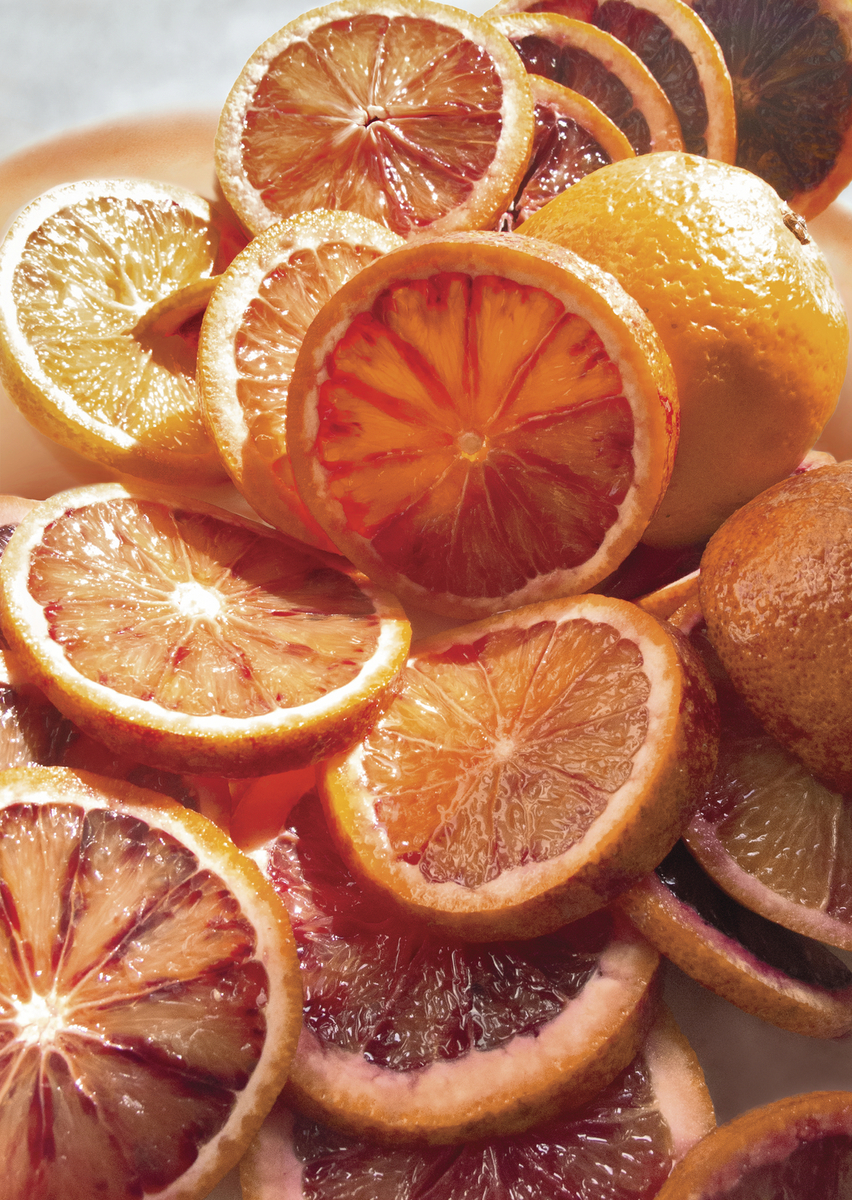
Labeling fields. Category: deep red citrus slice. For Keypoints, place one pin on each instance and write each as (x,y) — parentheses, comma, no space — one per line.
(411,1035)
(620,1146)
(149,993)
(478,422)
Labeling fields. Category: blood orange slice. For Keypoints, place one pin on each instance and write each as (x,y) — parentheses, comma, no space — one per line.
(574,736)
(602,68)
(679,51)
(763,968)
(621,1145)
(572,137)
(252,330)
(412,113)
(193,640)
(149,992)
(411,1035)
(479,422)
(797,1147)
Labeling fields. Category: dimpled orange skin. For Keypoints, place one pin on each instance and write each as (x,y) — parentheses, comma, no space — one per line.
(776,592)
(747,311)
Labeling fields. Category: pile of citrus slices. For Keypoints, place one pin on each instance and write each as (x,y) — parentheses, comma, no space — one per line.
(345,820)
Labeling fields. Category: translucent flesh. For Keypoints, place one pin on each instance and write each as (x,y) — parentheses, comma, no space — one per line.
(563,152)
(392,990)
(776,821)
(197,614)
(131,1004)
(31,729)
(392,117)
(506,751)
(818,1166)
(581,71)
(270,335)
(84,280)
(790,65)
(475,432)
(616,1148)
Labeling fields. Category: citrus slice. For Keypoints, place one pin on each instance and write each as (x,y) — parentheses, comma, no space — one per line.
(799,1147)
(791,66)
(621,1145)
(149,992)
(767,831)
(574,736)
(479,421)
(32,730)
(80,270)
(572,138)
(590,61)
(679,51)
(761,967)
(251,332)
(411,1035)
(415,114)
(194,640)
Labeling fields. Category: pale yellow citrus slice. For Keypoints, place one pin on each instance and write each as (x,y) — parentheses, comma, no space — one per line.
(415,114)
(621,1145)
(413,1035)
(82,270)
(528,767)
(194,640)
(149,993)
(478,422)
(591,61)
(251,333)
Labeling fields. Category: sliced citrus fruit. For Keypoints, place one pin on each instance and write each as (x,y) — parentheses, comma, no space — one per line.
(679,51)
(411,1035)
(750,315)
(574,736)
(194,640)
(415,114)
(590,61)
(32,730)
(763,968)
(572,137)
(768,832)
(621,1145)
(791,66)
(799,1147)
(81,269)
(149,992)
(251,332)
(478,422)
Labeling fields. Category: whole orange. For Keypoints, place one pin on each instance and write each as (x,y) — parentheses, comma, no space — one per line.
(745,305)
(776,592)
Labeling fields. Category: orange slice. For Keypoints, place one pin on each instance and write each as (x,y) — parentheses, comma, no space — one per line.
(82,270)
(191,639)
(602,68)
(791,66)
(621,1145)
(412,113)
(786,979)
(480,421)
(32,730)
(572,137)
(762,808)
(574,738)
(411,1035)
(679,51)
(798,1147)
(251,332)
(149,992)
